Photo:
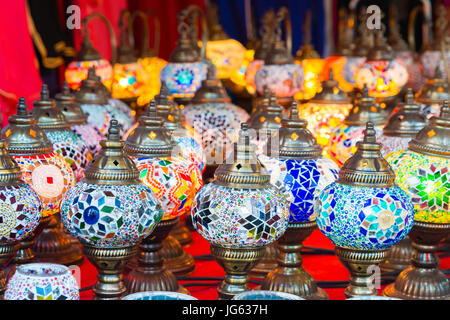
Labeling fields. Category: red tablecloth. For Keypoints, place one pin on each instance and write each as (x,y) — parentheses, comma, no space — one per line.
(321,267)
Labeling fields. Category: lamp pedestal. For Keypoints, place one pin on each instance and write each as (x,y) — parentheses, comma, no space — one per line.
(267,263)
(399,256)
(236,262)
(151,274)
(7,252)
(423,279)
(181,232)
(175,258)
(289,276)
(109,263)
(359,263)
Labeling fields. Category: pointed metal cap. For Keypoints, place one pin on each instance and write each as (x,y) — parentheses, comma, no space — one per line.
(65,101)
(112,165)
(23,136)
(365,108)
(270,116)
(408,120)
(9,169)
(435,90)
(184,51)
(90,91)
(150,138)
(47,115)
(279,54)
(381,51)
(331,93)
(88,52)
(367,167)
(434,139)
(166,109)
(211,89)
(261,102)
(242,169)
(307,51)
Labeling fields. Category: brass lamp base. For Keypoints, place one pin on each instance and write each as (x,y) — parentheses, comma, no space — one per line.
(236,262)
(7,252)
(54,246)
(423,280)
(175,258)
(358,262)
(150,273)
(109,263)
(289,276)
(267,263)
(399,256)
(181,233)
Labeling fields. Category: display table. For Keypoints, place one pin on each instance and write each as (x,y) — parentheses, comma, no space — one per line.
(322,267)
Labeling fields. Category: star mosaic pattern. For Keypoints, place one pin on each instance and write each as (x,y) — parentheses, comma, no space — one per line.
(110,215)
(364,218)
(184,79)
(232,217)
(426,180)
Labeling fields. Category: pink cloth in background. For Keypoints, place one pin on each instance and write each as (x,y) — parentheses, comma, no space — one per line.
(19,72)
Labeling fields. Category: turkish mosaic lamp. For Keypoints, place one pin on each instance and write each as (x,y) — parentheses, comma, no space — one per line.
(432,94)
(65,102)
(364,212)
(239,213)
(65,142)
(402,125)
(299,169)
(110,211)
(422,171)
(326,110)
(280,73)
(344,138)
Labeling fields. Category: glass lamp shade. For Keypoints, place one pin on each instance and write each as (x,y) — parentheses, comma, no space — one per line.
(90,135)
(312,69)
(77,71)
(152,68)
(250,74)
(383,78)
(128,80)
(392,143)
(121,112)
(49,175)
(183,79)
(237,77)
(430,60)
(283,79)
(173,180)
(239,217)
(303,180)
(415,78)
(344,69)
(158,295)
(425,179)
(227,56)
(363,217)
(42,281)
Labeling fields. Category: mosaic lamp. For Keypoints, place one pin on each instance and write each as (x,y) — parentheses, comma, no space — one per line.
(364,213)
(186,67)
(239,213)
(298,168)
(110,211)
(400,129)
(175,181)
(89,57)
(326,110)
(279,72)
(422,171)
(20,211)
(48,174)
(343,140)
(65,101)
(432,94)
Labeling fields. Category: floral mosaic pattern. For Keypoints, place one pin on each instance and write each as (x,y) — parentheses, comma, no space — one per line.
(50,176)
(173,180)
(426,180)
(302,181)
(233,217)
(110,215)
(184,79)
(72,148)
(20,211)
(285,80)
(364,218)
(392,144)
(100,116)
(90,135)
(42,281)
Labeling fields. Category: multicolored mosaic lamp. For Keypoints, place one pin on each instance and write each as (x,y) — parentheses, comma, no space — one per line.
(175,181)
(43,169)
(279,72)
(432,94)
(298,168)
(20,210)
(326,110)
(364,213)
(422,171)
(71,110)
(345,137)
(239,213)
(89,57)
(186,68)
(110,211)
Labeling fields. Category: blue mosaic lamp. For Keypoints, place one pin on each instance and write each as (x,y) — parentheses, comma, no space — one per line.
(298,168)
(240,213)
(364,213)
(110,211)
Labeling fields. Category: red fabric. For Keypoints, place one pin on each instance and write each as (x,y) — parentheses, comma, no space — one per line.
(321,267)
(19,76)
